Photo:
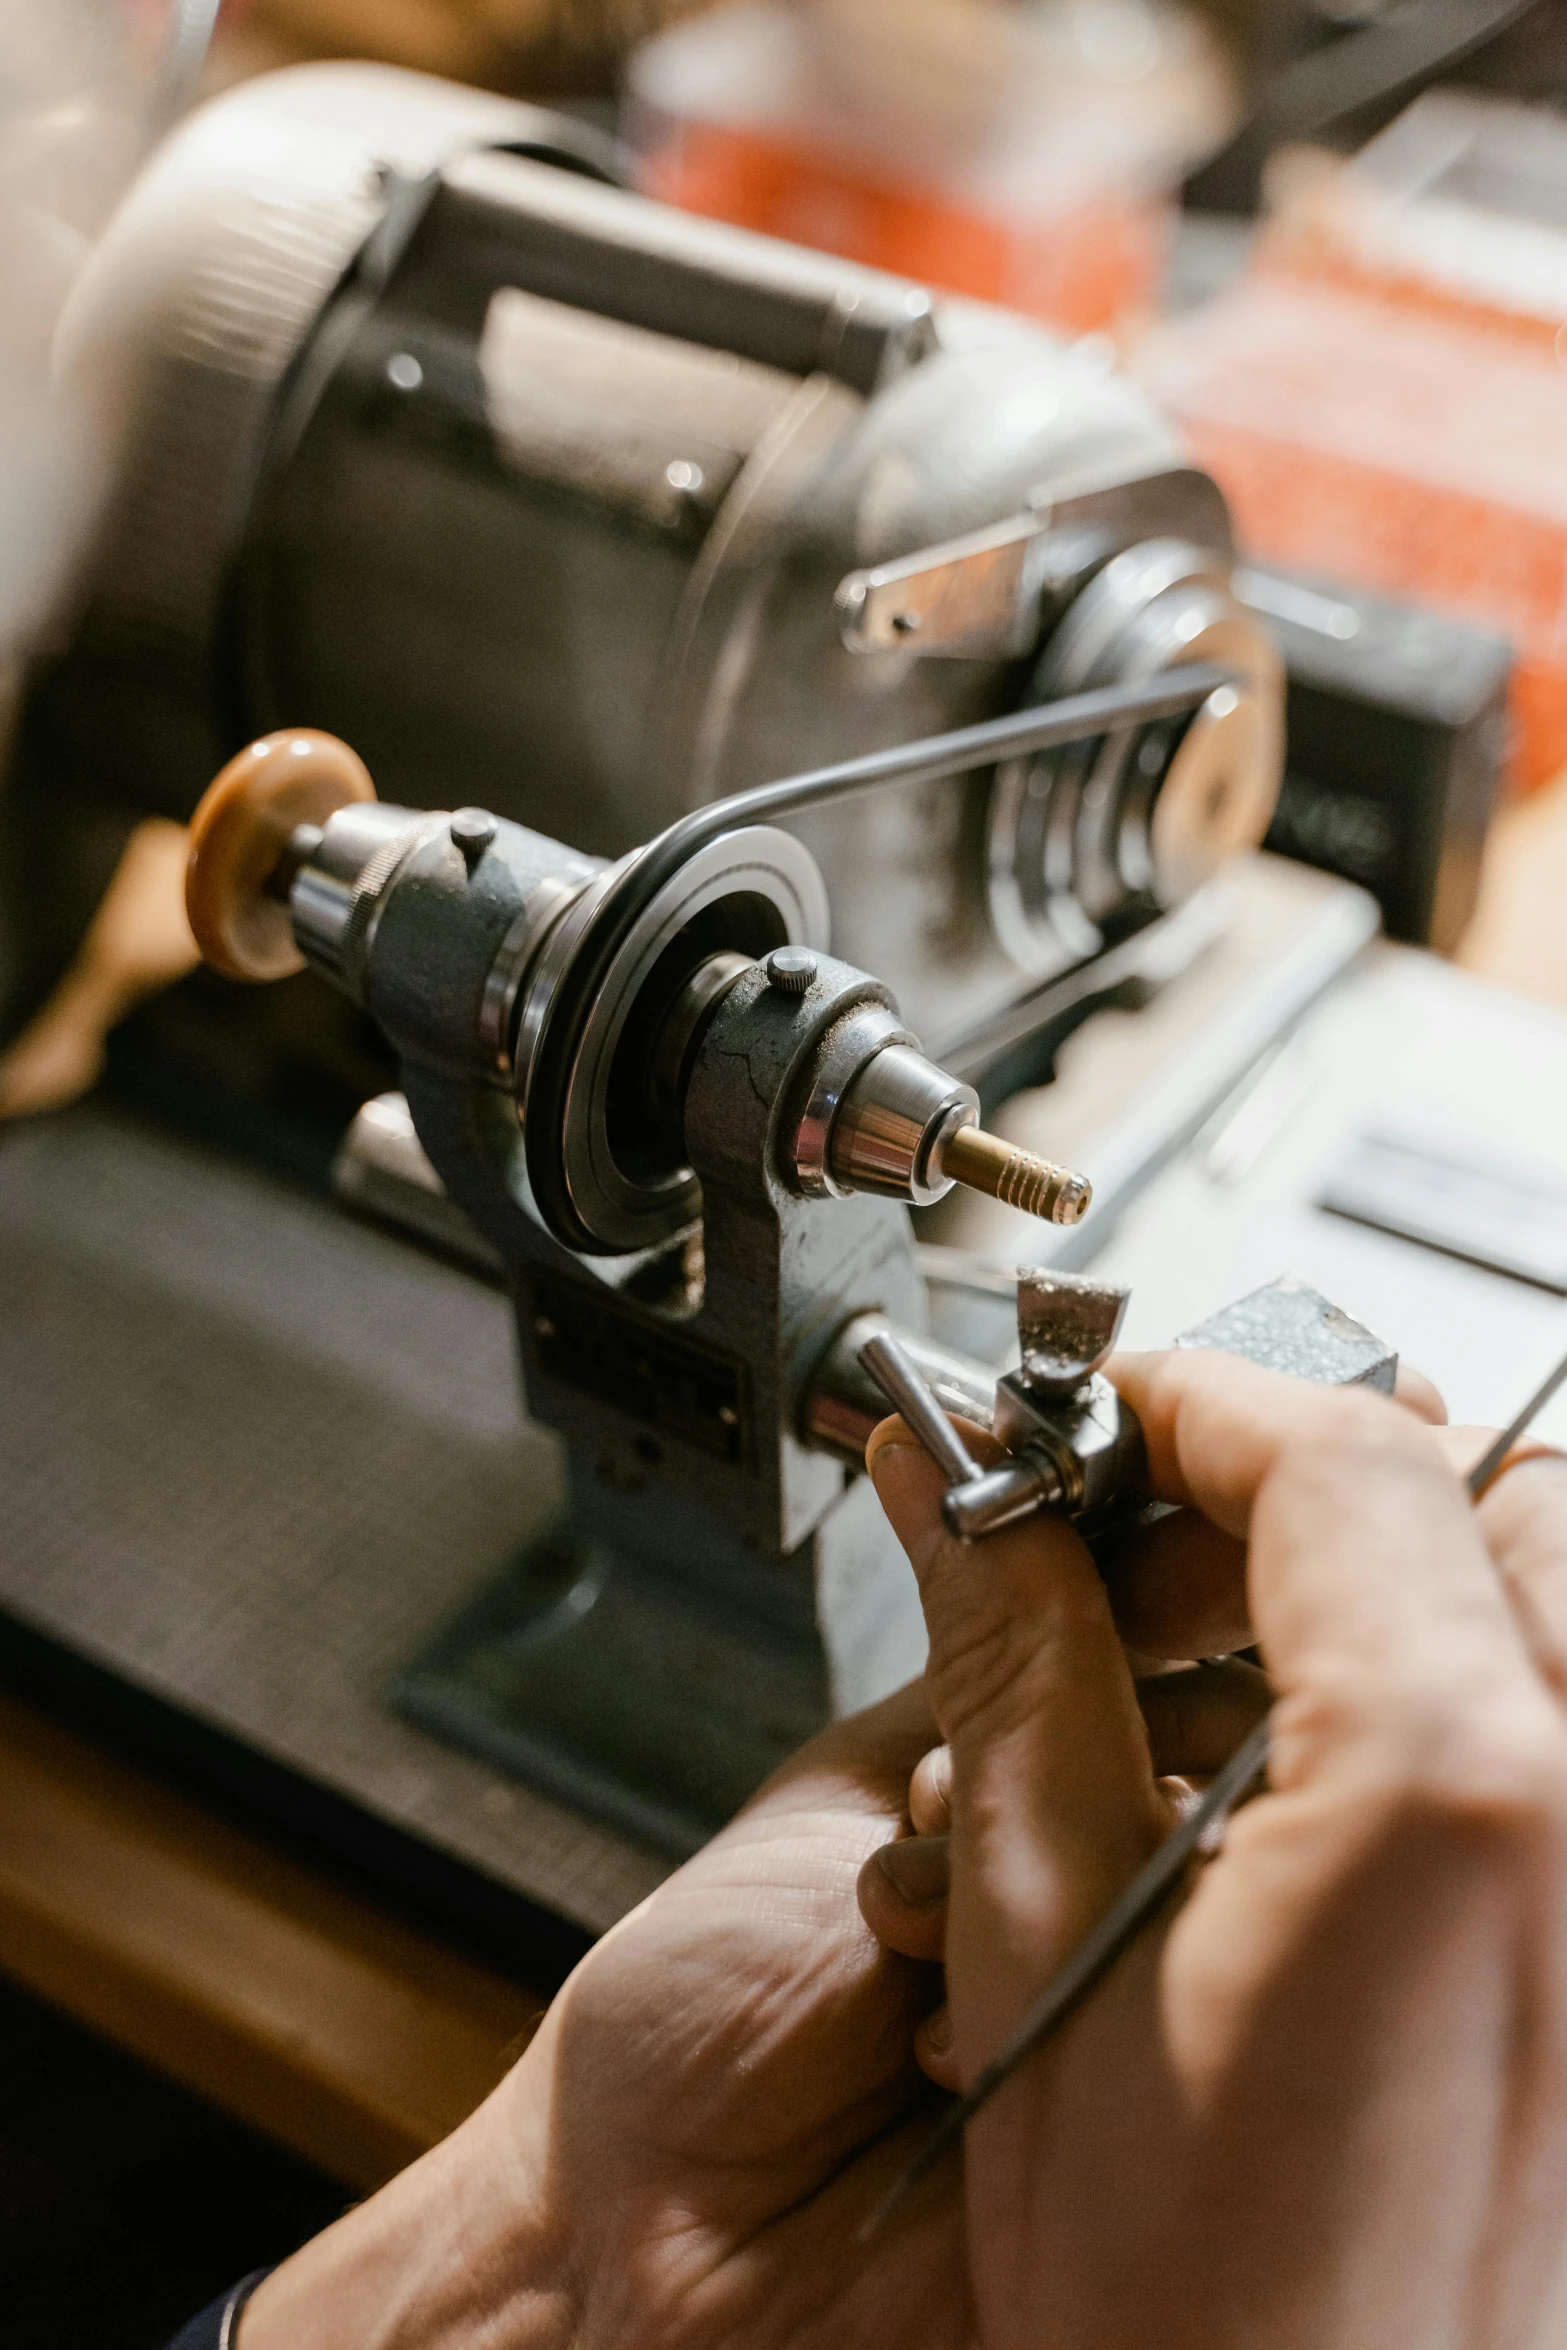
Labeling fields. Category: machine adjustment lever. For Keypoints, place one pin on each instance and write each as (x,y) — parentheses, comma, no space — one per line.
(905,1385)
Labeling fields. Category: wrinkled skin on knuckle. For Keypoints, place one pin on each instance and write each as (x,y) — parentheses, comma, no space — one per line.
(983,1664)
(1480,1781)
(1344,1446)
(1356,1423)
(1216,1426)
(994,1653)
(1382,1692)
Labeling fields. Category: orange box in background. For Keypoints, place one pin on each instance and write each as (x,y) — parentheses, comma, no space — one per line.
(1024,155)
(1384,396)
(1458,209)
(1095,270)
(1391,451)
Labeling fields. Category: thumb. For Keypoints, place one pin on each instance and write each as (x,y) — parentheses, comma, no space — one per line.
(1054,1805)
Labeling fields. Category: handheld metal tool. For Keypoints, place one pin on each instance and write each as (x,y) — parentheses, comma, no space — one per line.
(1074,1445)
(1200,1831)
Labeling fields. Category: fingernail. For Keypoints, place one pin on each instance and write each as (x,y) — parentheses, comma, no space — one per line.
(916,1868)
(900,1443)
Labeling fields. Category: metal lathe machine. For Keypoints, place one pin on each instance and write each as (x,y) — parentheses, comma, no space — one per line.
(797,705)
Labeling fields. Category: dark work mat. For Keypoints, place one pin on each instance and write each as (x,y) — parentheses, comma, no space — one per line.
(252,1454)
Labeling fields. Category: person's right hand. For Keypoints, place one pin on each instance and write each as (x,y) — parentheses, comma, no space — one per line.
(1323,2106)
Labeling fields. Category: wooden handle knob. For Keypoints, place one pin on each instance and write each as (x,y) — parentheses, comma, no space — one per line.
(240,835)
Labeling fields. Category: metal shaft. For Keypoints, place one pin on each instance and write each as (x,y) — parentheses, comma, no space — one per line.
(1488,1467)
(977,1501)
(1005,1496)
(903,1385)
(845,1401)
(1015,1177)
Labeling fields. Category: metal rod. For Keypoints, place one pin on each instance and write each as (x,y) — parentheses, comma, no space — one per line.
(844,1403)
(1488,1467)
(1154,1881)
(1004,1496)
(904,1386)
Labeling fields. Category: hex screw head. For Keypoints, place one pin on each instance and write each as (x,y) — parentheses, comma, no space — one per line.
(472,830)
(790,969)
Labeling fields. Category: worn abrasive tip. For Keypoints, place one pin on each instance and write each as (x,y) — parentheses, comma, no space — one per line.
(1015,1177)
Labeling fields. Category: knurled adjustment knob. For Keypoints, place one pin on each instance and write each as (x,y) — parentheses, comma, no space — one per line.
(472,831)
(790,969)
(240,841)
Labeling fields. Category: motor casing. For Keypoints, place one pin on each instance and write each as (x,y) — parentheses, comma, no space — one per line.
(419,430)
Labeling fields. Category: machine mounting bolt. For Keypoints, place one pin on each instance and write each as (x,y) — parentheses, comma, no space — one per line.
(790,969)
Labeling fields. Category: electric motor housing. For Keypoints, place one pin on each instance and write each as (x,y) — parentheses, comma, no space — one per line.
(420,429)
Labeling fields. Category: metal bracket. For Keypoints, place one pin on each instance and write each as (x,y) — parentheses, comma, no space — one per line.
(975,598)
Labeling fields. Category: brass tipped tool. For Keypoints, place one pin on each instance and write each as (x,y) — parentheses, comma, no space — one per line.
(1015,1177)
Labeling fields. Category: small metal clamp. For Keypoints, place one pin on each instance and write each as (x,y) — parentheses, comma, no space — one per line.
(1074,1445)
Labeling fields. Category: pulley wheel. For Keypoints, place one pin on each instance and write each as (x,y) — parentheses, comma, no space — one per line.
(240,835)
(749,890)
(1143,817)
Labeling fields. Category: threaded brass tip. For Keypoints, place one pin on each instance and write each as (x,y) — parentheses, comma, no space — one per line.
(1015,1177)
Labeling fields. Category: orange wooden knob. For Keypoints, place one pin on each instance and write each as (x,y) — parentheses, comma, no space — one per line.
(238,837)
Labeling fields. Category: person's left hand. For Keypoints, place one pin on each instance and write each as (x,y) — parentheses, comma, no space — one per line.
(721,2094)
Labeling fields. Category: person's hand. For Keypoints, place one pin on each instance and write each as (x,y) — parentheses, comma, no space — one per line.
(717,2099)
(1324,2104)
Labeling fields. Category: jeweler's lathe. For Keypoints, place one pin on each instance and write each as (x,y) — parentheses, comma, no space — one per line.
(690,1135)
